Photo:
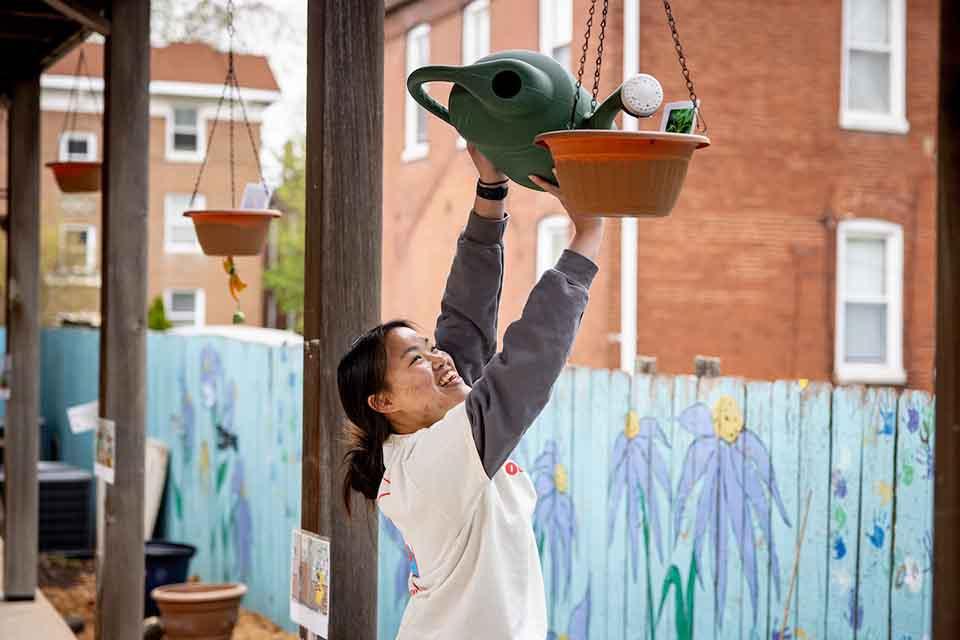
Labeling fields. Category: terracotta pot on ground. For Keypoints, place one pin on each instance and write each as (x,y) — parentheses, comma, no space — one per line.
(76,177)
(232,232)
(191,611)
(621,173)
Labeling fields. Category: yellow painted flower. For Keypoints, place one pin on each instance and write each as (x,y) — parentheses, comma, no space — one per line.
(727,419)
(560,479)
(632,430)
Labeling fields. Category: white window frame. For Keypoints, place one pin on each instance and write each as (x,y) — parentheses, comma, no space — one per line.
(414,149)
(472,13)
(546,228)
(199,315)
(891,371)
(548,13)
(177,247)
(91,257)
(88,136)
(175,155)
(896,120)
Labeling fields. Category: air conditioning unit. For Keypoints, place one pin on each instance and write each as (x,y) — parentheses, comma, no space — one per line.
(65,508)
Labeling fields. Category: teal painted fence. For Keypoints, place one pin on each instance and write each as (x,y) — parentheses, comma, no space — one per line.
(230,412)
(670,507)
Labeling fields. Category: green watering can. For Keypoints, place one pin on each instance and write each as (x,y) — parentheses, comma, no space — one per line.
(503,101)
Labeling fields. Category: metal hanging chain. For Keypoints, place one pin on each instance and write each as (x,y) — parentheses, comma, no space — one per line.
(231,85)
(583,60)
(701,122)
(596,73)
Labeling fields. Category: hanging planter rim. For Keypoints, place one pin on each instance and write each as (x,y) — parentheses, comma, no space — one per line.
(232,216)
(621,138)
(73,164)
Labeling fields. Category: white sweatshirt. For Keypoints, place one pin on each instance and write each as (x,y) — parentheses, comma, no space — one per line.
(477,567)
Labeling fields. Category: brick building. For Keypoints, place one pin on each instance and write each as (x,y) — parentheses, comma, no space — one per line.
(803,243)
(186,84)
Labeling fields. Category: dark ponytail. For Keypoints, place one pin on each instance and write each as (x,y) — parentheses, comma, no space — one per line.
(361,373)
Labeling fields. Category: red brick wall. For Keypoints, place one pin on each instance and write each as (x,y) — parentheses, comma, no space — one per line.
(744,267)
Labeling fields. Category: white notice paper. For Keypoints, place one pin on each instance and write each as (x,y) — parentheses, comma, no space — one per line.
(83,417)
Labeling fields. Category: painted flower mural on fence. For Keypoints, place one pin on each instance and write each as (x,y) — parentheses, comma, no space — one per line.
(554,523)
(738,486)
(579,627)
(637,467)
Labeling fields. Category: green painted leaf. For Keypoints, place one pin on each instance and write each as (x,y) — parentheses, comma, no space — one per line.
(224,533)
(221,474)
(178,502)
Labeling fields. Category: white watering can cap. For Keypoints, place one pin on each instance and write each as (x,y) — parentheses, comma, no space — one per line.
(641,95)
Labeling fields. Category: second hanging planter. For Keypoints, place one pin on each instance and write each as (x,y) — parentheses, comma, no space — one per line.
(232,232)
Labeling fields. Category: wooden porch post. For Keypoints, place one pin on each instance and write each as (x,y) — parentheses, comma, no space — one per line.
(123,314)
(946,495)
(342,289)
(23,342)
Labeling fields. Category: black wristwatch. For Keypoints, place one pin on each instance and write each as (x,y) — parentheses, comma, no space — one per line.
(494,191)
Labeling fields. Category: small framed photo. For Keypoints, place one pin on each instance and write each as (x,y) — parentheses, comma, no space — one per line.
(256,195)
(679,117)
(105,449)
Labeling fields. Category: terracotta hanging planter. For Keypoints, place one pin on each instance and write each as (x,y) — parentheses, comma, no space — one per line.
(190,611)
(621,173)
(76,177)
(232,232)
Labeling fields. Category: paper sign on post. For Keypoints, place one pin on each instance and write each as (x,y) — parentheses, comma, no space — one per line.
(83,417)
(310,582)
(105,461)
(256,196)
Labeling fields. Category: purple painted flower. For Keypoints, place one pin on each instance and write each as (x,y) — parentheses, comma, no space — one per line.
(186,421)
(913,420)
(242,522)
(401,572)
(854,613)
(554,522)
(638,466)
(738,486)
(579,627)
(211,376)
(839,484)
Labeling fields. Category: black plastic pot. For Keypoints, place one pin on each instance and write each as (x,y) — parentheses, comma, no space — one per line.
(166,563)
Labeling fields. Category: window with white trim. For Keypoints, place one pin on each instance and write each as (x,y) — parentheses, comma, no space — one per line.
(78,146)
(869,305)
(179,236)
(78,248)
(416,143)
(185,307)
(873,89)
(553,236)
(185,134)
(476,38)
(556,29)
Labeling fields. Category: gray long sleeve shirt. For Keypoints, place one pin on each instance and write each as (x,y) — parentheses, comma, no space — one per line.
(509,388)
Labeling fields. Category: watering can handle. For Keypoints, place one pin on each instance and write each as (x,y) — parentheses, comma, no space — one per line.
(415,83)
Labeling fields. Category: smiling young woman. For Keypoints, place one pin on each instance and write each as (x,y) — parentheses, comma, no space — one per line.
(432,426)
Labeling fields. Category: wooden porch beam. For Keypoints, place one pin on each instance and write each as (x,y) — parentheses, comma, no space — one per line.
(946,494)
(342,289)
(82,15)
(123,304)
(23,342)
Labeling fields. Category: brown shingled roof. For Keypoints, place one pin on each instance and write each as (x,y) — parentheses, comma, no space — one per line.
(181,62)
